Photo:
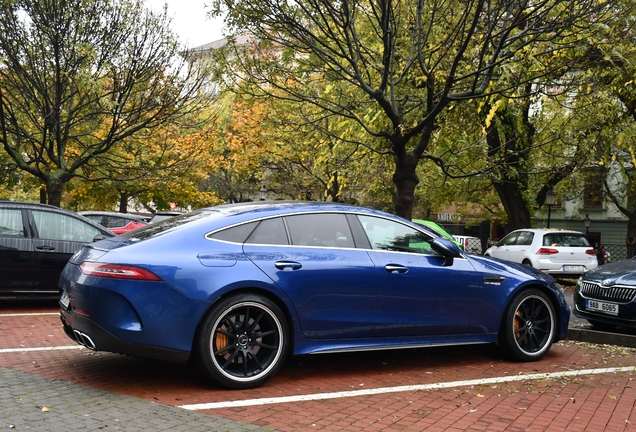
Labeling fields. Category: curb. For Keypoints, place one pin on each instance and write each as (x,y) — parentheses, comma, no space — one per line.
(601,337)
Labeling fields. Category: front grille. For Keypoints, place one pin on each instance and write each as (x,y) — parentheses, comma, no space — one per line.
(617,294)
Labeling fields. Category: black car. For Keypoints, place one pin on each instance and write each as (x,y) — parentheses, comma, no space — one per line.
(606,296)
(36,242)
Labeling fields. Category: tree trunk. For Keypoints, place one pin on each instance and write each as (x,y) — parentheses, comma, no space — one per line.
(54,189)
(405,180)
(123,202)
(514,205)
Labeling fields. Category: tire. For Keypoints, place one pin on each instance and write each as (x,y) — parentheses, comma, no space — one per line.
(527,263)
(528,326)
(243,341)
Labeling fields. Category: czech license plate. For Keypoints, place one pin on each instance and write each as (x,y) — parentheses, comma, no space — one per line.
(64,300)
(576,268)
(608,308)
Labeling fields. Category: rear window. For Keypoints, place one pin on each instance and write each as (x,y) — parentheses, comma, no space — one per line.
(152,230)
(565,240)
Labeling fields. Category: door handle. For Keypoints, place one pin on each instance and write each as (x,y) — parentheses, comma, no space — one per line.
(396,268)
(287,265)
(494,280)
(46,248)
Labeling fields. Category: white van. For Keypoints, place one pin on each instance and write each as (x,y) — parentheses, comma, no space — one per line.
(470,244)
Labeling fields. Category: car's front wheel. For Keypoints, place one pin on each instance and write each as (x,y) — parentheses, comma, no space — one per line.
(243,341)
(529,325)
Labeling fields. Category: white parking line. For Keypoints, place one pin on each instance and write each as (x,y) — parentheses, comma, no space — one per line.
(55,348)
(410,388)
(31,314)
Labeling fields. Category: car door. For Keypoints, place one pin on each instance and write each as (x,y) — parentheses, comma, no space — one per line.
(57,237)
(502,249)
(417,294)
(518,251)
(17,260)
(331,283)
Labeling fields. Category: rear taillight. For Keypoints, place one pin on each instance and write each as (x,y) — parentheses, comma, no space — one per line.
(117,271)
(547,251)
(590,252)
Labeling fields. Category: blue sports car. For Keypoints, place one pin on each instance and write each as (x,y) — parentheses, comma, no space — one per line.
(238,287)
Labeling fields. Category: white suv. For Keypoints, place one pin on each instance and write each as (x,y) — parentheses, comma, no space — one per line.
(557,252)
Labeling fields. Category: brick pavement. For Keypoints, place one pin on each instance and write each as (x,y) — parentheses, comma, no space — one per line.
(86,390)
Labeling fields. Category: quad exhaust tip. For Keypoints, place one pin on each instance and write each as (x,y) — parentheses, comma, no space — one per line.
(84,340)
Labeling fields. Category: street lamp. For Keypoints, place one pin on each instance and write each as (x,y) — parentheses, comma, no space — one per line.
(550,199)
(587,222)
(263,193)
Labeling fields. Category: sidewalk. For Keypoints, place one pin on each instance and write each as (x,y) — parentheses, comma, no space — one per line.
(34,403)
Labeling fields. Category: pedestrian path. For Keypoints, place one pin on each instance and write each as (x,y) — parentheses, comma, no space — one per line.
(34,403)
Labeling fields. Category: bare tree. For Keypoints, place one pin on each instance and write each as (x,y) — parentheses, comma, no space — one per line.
(78,77)
(394,66)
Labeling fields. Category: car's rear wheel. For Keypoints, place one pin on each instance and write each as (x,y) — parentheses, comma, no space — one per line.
(527,263)
(528,327)
(243,341)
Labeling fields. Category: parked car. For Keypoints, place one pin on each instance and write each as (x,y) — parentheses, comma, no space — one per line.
(469,244)
(237,287)
(36,242)
(437,229)
(161,216)
(118,223)
(556,252)
(606,296)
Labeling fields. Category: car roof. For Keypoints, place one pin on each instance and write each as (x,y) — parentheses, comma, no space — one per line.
(548,230)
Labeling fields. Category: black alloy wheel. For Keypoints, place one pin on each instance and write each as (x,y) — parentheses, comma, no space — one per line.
(244,341)
(529,326)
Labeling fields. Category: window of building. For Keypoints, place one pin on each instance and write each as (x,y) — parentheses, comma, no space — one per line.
(593,190)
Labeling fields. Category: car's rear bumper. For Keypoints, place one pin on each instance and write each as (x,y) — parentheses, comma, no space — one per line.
(92,336)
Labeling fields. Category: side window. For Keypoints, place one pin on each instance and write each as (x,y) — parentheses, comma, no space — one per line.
(509,239)
(321,229)
(525,238)
(235,234)
(269,232)
(11,223)
(389,235)
(55,226)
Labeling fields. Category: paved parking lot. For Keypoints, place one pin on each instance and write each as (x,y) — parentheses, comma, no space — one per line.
(49,383)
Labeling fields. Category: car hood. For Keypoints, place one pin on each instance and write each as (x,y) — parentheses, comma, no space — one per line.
(615,273)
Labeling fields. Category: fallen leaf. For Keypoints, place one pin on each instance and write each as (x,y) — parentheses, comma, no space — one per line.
(45,409)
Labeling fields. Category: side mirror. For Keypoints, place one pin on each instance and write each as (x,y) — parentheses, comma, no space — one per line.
(447,249)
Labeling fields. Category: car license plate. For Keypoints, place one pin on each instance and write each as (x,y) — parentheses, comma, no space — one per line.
(64,300)
(608,308)
(576,268)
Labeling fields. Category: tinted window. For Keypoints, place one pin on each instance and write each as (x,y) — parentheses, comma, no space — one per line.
(56,226)
(525,238)
(389,235)
(269,231)
(236,234)
(11,223)
(322,229)
(565,240)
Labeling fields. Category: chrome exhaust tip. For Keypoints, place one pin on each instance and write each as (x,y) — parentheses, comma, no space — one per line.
(84,340)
